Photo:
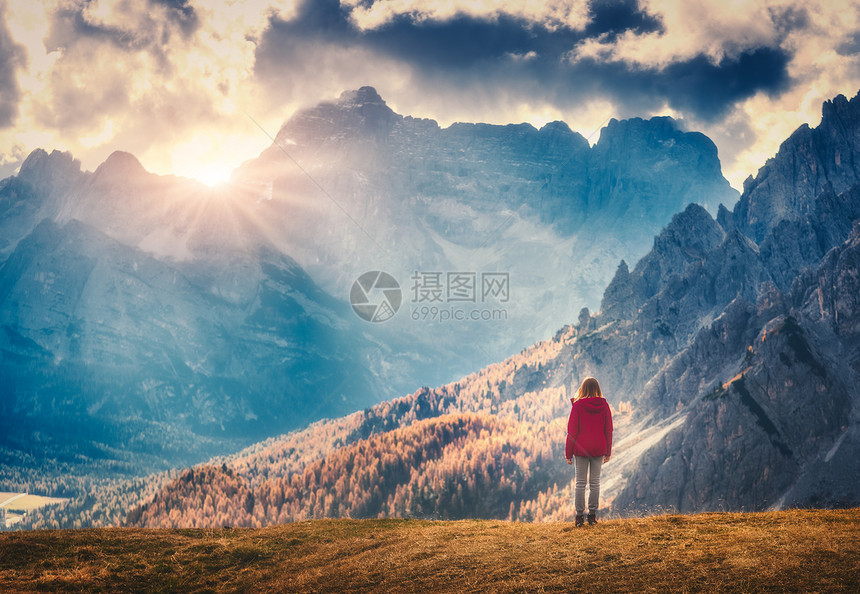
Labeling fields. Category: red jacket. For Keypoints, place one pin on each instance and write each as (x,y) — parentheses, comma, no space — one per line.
(589,429)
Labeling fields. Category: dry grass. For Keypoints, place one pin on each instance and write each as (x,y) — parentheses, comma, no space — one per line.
(797,550)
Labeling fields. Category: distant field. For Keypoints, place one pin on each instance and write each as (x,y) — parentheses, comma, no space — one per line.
(24,502)
(789,551)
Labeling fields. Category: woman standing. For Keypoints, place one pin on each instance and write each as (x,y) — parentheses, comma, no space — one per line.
(589,440)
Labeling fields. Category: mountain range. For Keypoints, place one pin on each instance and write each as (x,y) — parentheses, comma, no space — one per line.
(148,321)
(541,205)
(729,353)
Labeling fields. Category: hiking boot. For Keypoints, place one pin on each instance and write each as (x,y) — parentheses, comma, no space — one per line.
(592,519)
(580,520)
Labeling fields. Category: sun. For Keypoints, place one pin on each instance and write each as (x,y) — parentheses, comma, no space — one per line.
(211,175)
(207,159)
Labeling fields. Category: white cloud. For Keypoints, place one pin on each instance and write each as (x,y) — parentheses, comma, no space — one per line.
(526,57)
(550,13)
(717,29)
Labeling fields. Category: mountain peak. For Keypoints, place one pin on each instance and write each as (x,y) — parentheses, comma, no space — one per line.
(36,157)
(839,105)
(808,162)
(123,159)
(120,165)
(618,299)
(361,111)
(49,171)
(657,125)
(691,234)
(362,96)
(39,159)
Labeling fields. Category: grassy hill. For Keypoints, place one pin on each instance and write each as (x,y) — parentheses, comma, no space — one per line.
(795,550)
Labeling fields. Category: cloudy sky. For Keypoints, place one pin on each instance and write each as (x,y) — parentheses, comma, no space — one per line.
(178,82)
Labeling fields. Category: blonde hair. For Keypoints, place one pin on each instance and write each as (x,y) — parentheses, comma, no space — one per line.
(589,389)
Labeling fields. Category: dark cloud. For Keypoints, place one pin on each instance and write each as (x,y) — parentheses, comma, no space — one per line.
(150,32)
(180,12)
(612,17)
(697,87)
(70,26)
(471,51)
(709,90)
(12,57)
(319,18)
(849,47)
(460,42)
(789,18)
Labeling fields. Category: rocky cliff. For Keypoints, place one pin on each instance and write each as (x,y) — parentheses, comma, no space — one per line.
(779,426)
(808,162)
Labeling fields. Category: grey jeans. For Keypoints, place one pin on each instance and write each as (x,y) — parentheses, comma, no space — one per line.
(589,467)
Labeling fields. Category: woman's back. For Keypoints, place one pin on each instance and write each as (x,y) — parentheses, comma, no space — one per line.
(590,427)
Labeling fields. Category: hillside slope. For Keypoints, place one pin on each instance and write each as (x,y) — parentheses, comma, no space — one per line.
(789,551)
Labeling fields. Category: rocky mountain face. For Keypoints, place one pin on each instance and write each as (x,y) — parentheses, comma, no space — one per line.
(380,191)
(730,357)
(765,393)
(28,198)
(808,162)
(769,399)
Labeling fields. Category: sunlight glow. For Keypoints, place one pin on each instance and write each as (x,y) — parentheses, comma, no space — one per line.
(208,158)
(210,175)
